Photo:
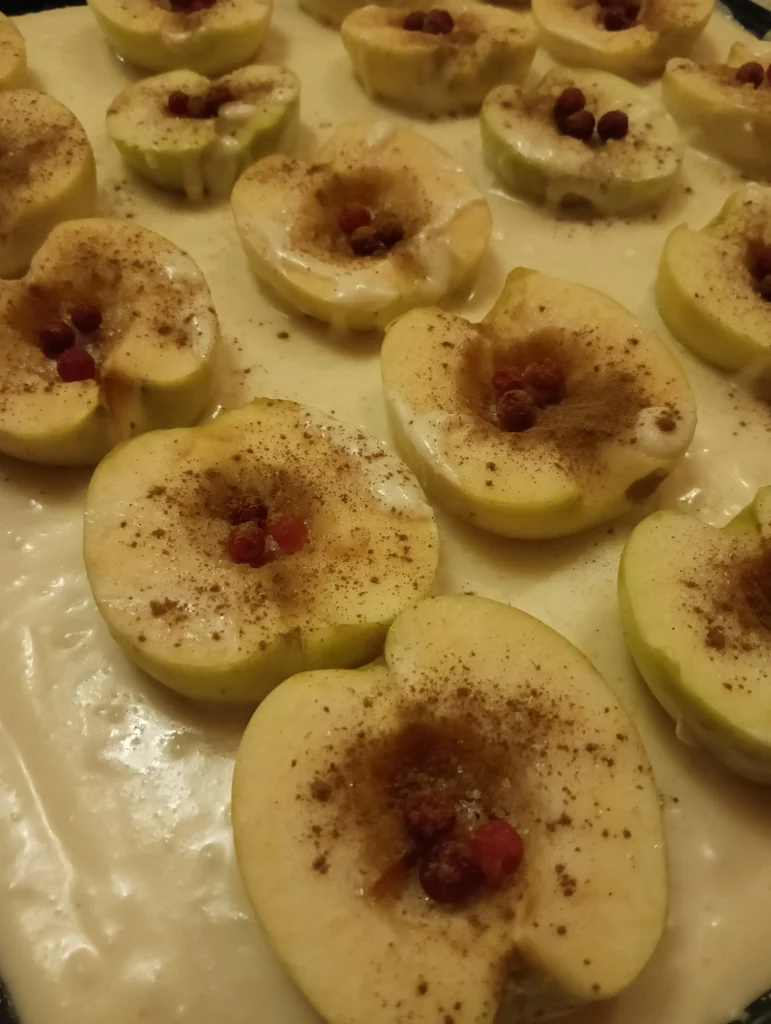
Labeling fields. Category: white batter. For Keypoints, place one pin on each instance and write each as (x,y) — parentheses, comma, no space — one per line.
(119,898)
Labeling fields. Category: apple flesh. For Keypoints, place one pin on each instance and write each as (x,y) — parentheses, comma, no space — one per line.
(696,612)
(13,55)
(706,293)
(287,214)
(590,457)
(203,155)
(574,34)
(154,348)
(496,710)
(215,628)
(211,41)
(48,174)
(525,148)
(439,74)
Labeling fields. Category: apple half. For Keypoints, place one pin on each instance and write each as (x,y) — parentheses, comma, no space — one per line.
(288,216)
(621,416)
(151,353)
(574,33)
(705,289)
(719,112)
(47,171)
(439,74)
(211,38)
(524,147)
(204,153)
(487,707)
(13,55)
(212,626)
(696,612)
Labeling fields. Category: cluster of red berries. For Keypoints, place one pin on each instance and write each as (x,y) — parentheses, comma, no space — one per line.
(437,22)
(367,234)
(753,73)
(452,868)
(759,262)
(182,104)
(254,541)
(619,15)
(573,119)
(519,392)
(57,339)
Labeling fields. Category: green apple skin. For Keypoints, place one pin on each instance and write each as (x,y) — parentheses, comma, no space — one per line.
(189,156)
(741,742)
(312,642)
(323,927)
(212,42)
(570,34)
(76,424)
(13,56)
(62,188)
(523,148)
(704,291)
(405,68)
(731,121)
(557,503)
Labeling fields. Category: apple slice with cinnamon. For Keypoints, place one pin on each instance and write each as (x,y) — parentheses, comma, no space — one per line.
(112,332)
(556,412)
(47,173)
(280,538)
(472,827)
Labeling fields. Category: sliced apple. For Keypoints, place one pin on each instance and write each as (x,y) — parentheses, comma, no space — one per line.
(527,145)
(47,174)
(725,108)
(293,218)
(184,132)
(280,540)
(710,286)
(696,611)
(112,332)
(627,38)
(13,55)
(448,65)
(207,36)
(556,412)
(487,710)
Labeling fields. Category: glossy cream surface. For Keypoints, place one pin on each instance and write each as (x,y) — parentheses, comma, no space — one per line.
(119,897)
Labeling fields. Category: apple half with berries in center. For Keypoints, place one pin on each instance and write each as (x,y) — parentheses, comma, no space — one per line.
(557,412)
(184,132)
(474,823)
(280,540)
(382,221)
(112,332)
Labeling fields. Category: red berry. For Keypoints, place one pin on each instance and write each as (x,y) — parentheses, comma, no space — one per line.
(216,97)
(507,379)
(438,22)
(764,287)
(497,849)
(353,216)
(751,73)
(365,241)
(76,364)
(516,411)
(414,21)
(247,510)
(177,103)
(448,873)
(545,381)
(389,229)
(246,545)
(56,338)
(619,18)
(290,533)
(569,101)
(86,318)
(578,126)
(760,260)
(428,817)
(613,125)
